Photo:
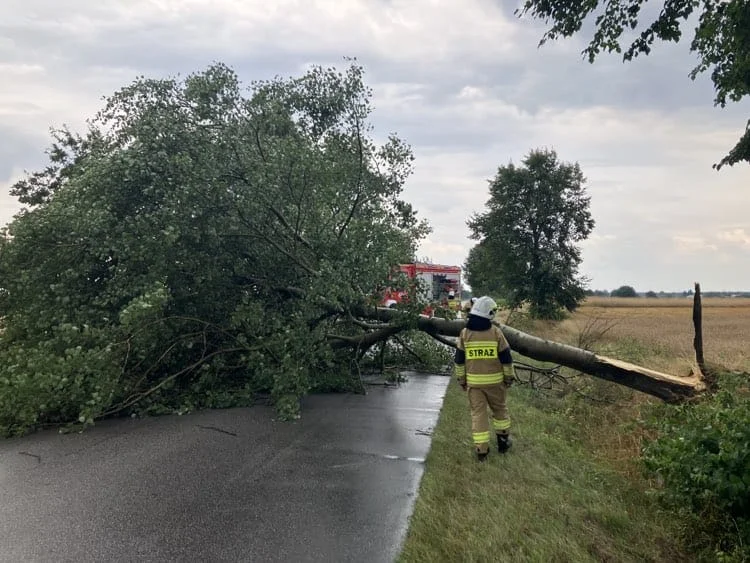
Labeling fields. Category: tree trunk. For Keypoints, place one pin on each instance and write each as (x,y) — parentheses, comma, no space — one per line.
(698,325)
(667,387)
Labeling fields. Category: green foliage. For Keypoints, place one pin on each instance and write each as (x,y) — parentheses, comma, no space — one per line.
(416,350)
(482,273)
(624,291)
(197,246)
(721,40)
(536,214)
(702,456)
(333,373)
(69,377)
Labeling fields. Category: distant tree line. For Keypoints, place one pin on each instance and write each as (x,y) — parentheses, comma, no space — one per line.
(629,291)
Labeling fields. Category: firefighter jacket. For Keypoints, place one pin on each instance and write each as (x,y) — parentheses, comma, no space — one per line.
(483,357)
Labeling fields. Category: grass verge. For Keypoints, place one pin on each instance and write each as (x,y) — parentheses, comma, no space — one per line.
(548,499)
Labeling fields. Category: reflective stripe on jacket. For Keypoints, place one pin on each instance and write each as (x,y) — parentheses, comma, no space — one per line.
(482,349)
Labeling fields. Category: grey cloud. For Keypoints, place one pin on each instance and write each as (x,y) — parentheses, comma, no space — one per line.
(443,124)
(645,187)
(650,260)
(106,33)
(551,75)
(556,74)
(17,151)
(548,77)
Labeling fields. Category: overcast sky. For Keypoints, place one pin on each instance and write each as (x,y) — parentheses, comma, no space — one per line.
(462,81)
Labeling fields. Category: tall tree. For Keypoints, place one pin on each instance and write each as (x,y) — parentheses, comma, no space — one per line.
(481,273)
(721,40)
(536,214)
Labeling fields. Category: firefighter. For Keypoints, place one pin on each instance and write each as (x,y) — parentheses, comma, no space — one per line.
(451,298)
(484,369)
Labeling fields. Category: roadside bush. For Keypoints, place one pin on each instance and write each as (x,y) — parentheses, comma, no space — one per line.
(701,456)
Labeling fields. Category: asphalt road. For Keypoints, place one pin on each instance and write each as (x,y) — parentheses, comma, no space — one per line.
(228,485)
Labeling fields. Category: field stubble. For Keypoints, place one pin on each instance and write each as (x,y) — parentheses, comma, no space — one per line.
(658,333)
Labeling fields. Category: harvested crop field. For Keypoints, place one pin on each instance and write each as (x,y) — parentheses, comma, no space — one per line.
(658,333)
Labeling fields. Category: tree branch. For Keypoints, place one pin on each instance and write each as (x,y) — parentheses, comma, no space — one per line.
(365,340)
(405,347)
(272,208)
(442,340)
(297,236)
(296,259)
(133,399)
(360,154)
(368,326)
(256,134)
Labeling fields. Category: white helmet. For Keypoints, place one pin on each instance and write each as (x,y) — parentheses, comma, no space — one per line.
(484,307)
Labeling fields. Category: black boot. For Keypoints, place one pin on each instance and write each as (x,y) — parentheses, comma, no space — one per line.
(503,443)
(482,456)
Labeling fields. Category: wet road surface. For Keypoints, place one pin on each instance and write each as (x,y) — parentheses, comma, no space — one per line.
(228,485)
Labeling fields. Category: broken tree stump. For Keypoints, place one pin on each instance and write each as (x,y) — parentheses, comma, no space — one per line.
(698,325)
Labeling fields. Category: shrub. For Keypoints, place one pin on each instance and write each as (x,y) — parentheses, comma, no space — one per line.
(701,456)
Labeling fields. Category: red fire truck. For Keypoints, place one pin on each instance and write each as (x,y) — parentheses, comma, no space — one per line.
(441,286)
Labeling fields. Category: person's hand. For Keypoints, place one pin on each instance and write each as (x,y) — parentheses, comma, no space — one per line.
(509,381)
(463,385)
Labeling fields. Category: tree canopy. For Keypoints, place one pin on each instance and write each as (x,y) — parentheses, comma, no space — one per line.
(625,291)
(536,214)
(481,272)
(198,244)
(721,40)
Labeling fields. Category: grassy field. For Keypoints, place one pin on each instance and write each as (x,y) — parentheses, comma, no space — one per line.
(546,500)
(572,487)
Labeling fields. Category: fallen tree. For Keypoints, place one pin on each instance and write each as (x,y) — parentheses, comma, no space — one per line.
(146,272)
(200,246)
(667,387)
